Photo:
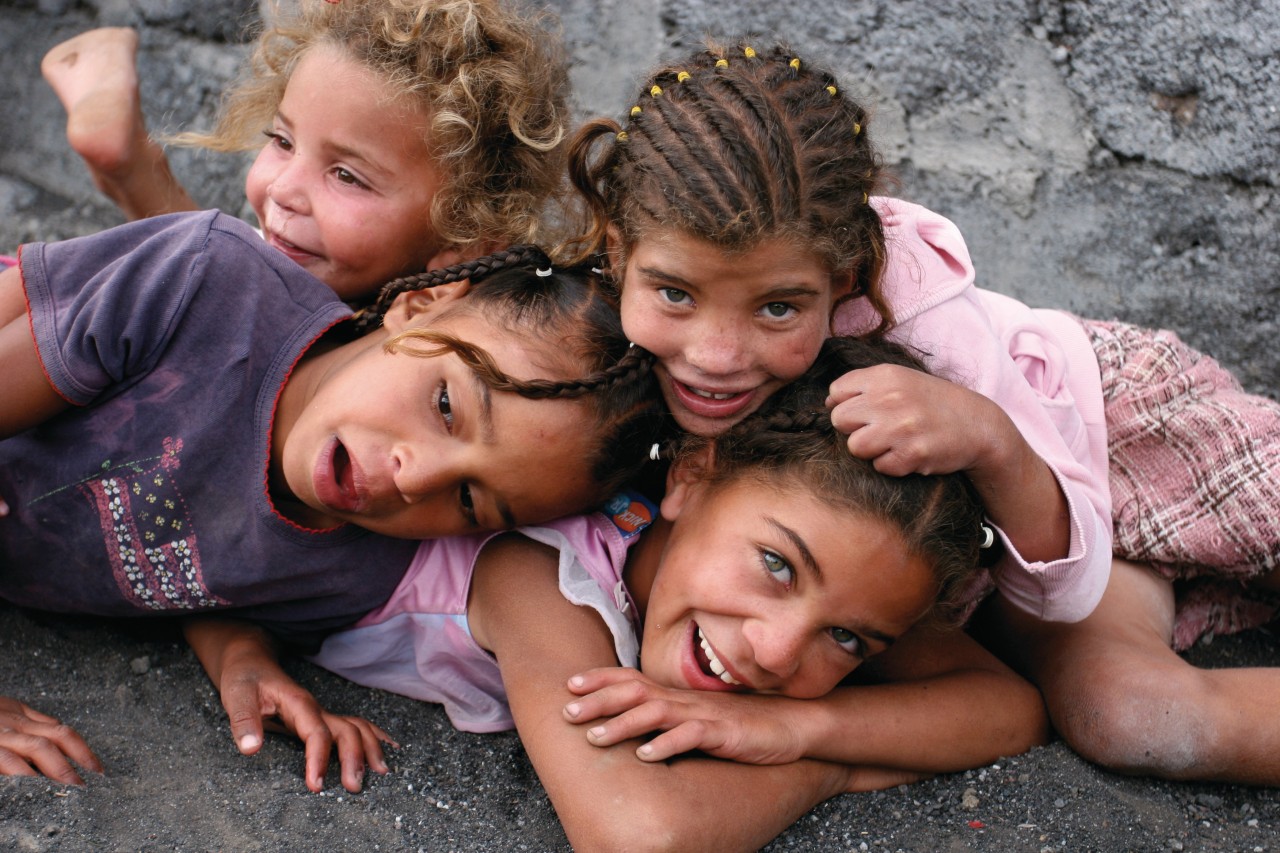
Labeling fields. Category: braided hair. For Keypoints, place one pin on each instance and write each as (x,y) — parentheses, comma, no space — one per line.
(733,146)
(569,309)
(791,437)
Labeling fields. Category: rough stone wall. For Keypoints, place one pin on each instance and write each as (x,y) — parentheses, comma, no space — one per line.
(1113,158)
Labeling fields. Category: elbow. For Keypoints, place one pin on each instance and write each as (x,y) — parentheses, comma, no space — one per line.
(638,828)
(1030,725)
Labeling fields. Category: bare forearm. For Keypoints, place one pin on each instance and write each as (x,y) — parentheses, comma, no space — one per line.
(1022,496)
(688,803)
(218,641)
(955,721)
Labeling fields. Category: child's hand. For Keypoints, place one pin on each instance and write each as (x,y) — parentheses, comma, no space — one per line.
(257,692)
(750,729)
(908,422)
(32,743)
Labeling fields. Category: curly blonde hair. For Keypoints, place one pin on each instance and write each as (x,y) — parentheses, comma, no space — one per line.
(491,77)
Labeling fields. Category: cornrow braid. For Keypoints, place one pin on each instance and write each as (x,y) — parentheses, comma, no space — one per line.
(735,146)
(632,367)
(791,438)
(567,315)
(371,316)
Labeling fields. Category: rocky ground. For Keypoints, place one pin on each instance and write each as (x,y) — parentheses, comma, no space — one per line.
(175,782)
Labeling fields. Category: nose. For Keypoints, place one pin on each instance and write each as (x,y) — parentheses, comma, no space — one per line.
(418,476)
(777,644)
(288,187)
(717,347)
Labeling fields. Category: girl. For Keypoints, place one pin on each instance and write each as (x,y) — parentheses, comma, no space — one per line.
(191,423)
(737,206)
(402,135)
(752,580)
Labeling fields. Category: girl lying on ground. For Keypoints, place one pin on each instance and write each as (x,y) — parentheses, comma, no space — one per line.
(192,422)
(779,564)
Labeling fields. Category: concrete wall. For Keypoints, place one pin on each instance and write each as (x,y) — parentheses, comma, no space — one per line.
(1113,158)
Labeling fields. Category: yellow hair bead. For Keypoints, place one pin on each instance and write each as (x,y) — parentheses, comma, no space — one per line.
(749,52)
(622,136)
(795,63)
(831,90)
(682,76)
(857,128)
(722,63)
(655,91)
(635,111)
(864,198)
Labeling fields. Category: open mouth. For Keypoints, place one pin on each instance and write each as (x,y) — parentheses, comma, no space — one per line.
(710,404)
(343,474)
(337,478)
(705,655)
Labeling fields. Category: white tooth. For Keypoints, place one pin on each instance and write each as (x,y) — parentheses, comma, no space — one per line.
(710,395)
(716,666)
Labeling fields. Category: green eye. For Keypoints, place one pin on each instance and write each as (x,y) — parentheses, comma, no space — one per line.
(777,567)
(847,640)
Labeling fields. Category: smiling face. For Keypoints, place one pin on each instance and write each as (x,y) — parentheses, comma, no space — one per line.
(763,586)
(345,182)
(728,328)
(419,447)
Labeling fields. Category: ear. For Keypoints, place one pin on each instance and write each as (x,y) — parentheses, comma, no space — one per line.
(685,478)
(428,301)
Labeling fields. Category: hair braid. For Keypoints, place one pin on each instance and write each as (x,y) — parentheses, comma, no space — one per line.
(739,147)
(371,316)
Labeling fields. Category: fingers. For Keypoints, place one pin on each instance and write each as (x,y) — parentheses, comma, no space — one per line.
(686,737)
(610,699)
(240,700)
(359,745)
(639,721)
(595,679)
(317,747)
(34,743)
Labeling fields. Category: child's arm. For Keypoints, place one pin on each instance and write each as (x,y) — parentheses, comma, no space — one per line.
(911,422)
(28,398)
(948,705)
(606,798)
(242,663)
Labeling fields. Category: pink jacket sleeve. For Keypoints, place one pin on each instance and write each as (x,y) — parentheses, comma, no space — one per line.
(1038,365)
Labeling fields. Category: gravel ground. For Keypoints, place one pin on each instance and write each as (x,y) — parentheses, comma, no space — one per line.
(175,782)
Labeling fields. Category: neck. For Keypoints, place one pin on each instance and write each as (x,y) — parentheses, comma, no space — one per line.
(320,359)
(643,560)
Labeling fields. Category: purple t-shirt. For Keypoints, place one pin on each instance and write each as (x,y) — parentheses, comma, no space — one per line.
(172,337)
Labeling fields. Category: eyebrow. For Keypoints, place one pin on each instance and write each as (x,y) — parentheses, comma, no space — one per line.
(798,543)
(342,151)
(782,291)
(489,436)
(807,558)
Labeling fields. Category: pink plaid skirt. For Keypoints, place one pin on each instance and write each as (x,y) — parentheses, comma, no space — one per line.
(1195,476)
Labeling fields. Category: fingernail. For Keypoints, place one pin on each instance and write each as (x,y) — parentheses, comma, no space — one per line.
(597,732)
(645,750)
(576,681)
(250,742)
(573,709)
